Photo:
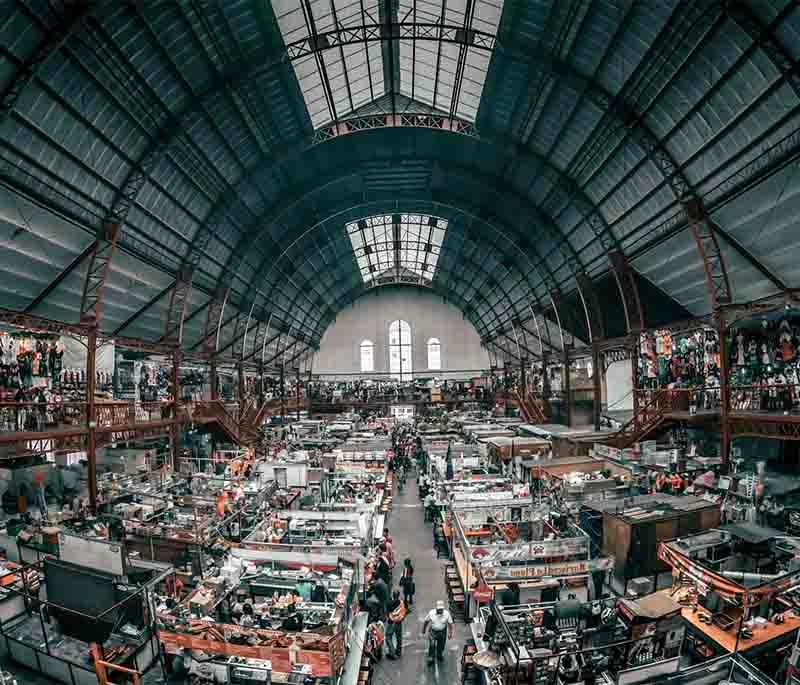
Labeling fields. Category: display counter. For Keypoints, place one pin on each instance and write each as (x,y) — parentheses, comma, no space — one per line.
(731,605)
(514,541)
(280,626)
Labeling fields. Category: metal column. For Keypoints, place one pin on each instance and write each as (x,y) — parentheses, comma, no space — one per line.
(546,391)
(240,388)
(91,416)
(725,427)
(213,379)
(283,392)
(297,390)
(175,430)
(567,401)
(597,369)
(635,374)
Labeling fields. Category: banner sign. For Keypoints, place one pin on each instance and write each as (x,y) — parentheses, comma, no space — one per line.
(602,450)
(98,554)
(558,570)
(538,549)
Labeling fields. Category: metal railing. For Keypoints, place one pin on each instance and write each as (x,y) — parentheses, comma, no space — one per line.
(43,417)
(766,397)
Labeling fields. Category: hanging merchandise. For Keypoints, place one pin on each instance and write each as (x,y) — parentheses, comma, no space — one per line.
(764,365)
(689,359)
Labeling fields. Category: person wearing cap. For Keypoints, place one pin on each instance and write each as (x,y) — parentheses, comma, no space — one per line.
(440,623)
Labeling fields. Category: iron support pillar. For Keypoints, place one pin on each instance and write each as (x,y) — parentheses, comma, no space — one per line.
(725,427)
(546,390)
(91,416)
(175,431)
(635,374)
(597,369)
(240,388)
(297,390)
(213,379)
(283,392)
(566,403)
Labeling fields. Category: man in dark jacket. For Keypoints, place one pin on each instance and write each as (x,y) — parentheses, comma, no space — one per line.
(381,590)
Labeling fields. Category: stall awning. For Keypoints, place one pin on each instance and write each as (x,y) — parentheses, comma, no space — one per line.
(654,606)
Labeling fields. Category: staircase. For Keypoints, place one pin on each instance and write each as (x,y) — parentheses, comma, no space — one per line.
(649,416)
(246,429)
(455,593)
(530,407)
(214,411)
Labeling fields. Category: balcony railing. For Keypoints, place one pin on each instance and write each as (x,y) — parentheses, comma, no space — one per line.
(41,417)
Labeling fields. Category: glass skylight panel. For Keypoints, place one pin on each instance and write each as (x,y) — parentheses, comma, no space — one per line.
(354,72)
(428,69)
(395,245)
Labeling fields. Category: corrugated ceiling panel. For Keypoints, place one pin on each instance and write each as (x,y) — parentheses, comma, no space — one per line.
(765,222)
(677,269)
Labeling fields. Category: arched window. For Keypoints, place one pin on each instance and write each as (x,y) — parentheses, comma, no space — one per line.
(434,354)
(367,356)
(400,350)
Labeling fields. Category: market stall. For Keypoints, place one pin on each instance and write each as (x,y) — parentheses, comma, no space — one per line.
(96,603)
(345,533)
(506,454)
(574,642)
(629,529)
(572,481)
(290,610)
(739,587)
(516,541)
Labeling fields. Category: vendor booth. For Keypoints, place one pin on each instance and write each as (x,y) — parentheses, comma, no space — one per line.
(291,613)
(629,529)
(513,541)
(345,533)
(739,589)
(575,642)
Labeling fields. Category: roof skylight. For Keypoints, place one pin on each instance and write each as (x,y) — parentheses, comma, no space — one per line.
(342,69)
(397,247)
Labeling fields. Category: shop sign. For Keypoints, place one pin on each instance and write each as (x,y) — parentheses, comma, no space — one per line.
(559,570)
(531,550)
(602,450)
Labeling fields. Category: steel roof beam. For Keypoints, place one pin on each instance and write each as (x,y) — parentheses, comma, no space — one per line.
(53,37)
(350,207)
(286,204)
(50,287)
(142,310)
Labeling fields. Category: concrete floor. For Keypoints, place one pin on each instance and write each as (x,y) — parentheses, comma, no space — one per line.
(414,538)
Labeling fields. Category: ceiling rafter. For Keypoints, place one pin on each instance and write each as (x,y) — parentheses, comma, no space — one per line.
(52,38)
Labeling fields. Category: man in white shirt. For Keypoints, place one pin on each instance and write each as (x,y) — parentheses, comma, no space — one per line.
(440,622)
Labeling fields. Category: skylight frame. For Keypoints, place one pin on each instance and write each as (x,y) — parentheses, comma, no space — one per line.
(379,260)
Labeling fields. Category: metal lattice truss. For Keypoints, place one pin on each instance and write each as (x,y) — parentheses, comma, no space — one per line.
(233,161)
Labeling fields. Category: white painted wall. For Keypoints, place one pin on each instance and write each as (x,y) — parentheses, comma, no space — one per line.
(429,315)
(618,385)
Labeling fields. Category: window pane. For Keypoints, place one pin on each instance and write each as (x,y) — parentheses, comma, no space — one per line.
(367,356)
(400,364)
(434,354)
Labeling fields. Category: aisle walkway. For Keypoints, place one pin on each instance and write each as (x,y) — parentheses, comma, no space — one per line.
(414,538)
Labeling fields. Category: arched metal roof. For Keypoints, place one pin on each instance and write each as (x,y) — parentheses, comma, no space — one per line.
(235,142)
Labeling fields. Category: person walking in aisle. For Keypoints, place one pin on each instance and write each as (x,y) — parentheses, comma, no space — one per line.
(407,583)
(394,626)
(440,623)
